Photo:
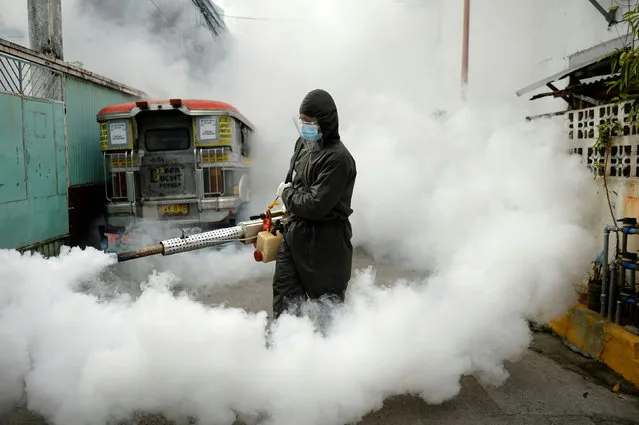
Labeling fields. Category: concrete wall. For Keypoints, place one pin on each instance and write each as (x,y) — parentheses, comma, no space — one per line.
(622,169)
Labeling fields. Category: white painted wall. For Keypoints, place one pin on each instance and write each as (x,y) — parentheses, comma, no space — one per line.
(527,40)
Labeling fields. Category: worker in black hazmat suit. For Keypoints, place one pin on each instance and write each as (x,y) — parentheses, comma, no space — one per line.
(315,257)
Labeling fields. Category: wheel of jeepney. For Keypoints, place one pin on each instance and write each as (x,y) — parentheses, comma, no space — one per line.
(244,189)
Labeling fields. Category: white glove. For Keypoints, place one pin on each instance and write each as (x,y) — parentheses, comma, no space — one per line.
(282,187)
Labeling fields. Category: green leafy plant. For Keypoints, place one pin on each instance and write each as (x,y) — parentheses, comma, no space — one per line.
(625,81)
(605,131)
(625,68)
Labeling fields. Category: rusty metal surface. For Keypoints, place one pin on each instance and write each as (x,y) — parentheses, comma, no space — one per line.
(48,248)
(139,253)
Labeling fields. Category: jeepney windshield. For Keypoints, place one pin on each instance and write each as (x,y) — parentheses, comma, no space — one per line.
(167,139)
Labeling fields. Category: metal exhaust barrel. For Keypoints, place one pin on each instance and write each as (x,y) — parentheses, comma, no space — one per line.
(245,232)
(139,253)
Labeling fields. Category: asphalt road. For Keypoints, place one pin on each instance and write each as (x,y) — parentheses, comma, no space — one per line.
(551,385)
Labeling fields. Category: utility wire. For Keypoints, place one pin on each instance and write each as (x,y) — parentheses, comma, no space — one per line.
(254,18)
(159,10)
(245,17)
(202,13)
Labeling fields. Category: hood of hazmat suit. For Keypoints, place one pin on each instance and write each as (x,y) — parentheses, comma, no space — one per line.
(315,256)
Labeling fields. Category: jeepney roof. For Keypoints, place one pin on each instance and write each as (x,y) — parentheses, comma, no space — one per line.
(187,106)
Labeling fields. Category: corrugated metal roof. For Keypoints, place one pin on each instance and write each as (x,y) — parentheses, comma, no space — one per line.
(598,51)
(563,74)
(592,62)
(602,78)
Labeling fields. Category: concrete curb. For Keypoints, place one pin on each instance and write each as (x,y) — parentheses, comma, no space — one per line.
(607,342)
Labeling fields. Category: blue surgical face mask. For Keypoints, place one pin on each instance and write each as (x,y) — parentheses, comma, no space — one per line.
(310,133)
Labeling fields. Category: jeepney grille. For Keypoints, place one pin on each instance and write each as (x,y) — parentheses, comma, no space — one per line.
(118,186)
(215,174)
(214,181)
(118,163)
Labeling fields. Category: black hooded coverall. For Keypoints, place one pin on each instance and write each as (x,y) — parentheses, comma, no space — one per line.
(315,256)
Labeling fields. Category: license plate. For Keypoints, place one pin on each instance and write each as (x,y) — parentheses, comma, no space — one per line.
(174,209)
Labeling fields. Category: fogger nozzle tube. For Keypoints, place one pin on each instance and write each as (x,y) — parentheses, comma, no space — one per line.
(142,252)
(245,232)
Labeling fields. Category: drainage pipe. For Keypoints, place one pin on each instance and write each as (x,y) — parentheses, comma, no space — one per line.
(629,262)
(633,286)
(611,291)
(605,268)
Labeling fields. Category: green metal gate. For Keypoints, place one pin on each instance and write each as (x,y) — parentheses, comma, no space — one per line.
(33,177)
(34,147)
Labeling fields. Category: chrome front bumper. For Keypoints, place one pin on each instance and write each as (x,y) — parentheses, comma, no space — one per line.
(208,210)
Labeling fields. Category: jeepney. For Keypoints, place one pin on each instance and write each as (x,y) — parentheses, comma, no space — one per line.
(172,168)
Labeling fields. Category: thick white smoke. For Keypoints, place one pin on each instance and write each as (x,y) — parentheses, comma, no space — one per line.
(490,205)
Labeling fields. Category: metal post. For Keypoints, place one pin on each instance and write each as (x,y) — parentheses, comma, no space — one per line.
(632,291)
(623,273)
(618,312)
(610,15)
(465,43)
(612,289)
(605,270)
(45,27)
(624,243)
(21,88)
